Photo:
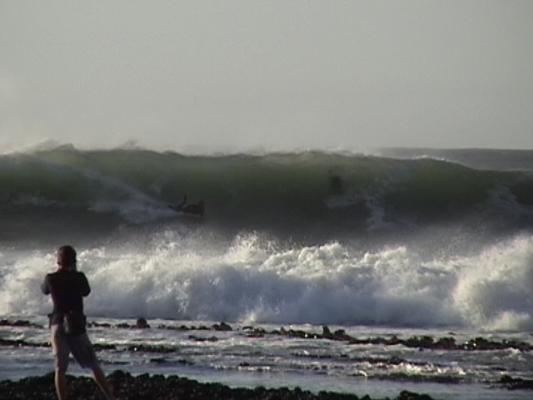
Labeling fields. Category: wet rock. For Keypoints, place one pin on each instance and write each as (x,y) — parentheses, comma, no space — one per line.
(222,327)
(19,323)
(340,334)
(424,342)
(104,346)
(516,383)
(395,360)
(146,348)
(94,324)
(142,323)
(446,343)
(203,339)
(22,343)
(151,387)
(326,333)
(405,395)
(254,332)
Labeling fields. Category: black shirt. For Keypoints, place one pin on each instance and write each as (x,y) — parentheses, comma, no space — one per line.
(67,289)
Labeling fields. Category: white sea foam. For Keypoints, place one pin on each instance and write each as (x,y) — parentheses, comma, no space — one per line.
(256,280)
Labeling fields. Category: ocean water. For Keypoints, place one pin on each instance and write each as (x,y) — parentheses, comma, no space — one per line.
(409,243)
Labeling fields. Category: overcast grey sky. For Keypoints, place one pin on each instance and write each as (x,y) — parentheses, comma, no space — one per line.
(276,74)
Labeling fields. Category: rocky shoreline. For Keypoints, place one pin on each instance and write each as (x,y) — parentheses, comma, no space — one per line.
(420,342)
(211,333)
(148,387)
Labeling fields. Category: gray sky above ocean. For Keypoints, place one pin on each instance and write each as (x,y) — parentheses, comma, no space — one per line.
(241,74)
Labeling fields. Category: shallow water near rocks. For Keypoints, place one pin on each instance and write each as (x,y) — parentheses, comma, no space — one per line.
(273,360)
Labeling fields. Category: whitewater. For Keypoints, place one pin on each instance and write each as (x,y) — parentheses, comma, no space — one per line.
(404,243)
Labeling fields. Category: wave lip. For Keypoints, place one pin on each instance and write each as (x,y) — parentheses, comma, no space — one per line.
(339,191)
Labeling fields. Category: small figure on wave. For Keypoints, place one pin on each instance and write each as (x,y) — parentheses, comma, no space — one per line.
(193,208)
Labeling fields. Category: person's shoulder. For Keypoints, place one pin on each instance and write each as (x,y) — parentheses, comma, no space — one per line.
(51,278)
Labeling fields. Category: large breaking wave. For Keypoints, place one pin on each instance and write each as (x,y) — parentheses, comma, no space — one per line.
(287,238)
(289,190)
(256,280)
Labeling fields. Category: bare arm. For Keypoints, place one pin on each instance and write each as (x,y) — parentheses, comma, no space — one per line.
(45,286)
(85,289)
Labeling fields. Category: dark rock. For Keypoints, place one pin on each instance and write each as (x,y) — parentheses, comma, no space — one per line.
(394,360)
(98,324)
(158,360)
(104,346)
(326,333)
(446,343)
(340,334)
(19,323)
(254,332)
(147,348)
(21,343)
(424,342)
(142,324)
(516,383)
(222,327)
(151,387)
(405,395)
(203,339)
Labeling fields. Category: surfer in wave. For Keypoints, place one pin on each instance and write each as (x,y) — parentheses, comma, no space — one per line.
(193,208)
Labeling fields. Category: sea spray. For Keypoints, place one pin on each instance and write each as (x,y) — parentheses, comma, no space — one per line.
(494,288)
(256,279)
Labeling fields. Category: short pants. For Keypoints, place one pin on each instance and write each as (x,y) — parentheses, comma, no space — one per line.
(80,346)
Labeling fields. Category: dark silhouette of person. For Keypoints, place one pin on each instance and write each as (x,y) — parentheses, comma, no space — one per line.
(193,208)
(67,286)
(336,184)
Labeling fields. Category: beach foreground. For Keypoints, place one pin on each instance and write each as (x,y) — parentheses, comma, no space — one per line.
(146,387)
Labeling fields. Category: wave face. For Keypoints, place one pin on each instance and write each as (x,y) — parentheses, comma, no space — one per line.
(339,192)
(257,280)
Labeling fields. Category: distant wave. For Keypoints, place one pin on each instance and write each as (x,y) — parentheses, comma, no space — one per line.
(290,189)
(256,280)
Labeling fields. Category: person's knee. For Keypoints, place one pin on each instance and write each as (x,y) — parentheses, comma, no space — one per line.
(60,366)
(60,370)
(96,370)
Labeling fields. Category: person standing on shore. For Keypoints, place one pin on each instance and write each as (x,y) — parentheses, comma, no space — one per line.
(67,287)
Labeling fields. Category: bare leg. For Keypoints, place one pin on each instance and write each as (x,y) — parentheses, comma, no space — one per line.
(99,378)
(61,384)
(61,352)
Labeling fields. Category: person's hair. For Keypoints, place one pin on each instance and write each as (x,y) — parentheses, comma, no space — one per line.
(68,257)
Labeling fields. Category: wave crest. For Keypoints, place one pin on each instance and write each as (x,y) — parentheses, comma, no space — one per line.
(287,190)
(257,280)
